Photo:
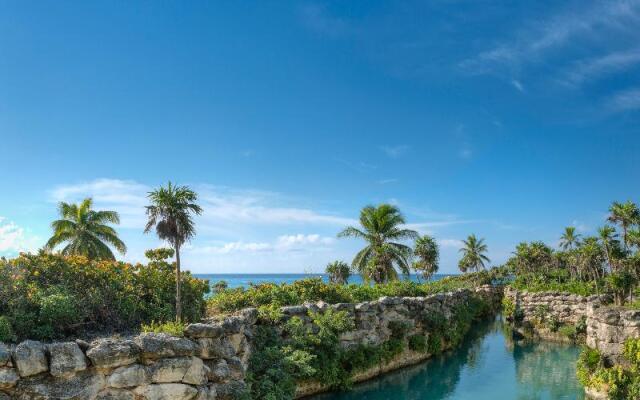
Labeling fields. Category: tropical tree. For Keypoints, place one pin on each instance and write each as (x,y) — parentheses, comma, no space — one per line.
(380,227)
(634,237)
(625,215)
(607,236)
(339,272)
(428,254)
(171,214)
(473,254)
(569,239)
(85,231)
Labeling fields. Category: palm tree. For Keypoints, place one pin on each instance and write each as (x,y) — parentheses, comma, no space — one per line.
(85,231)
(339,272)
(473,254)
(380,226)
(170,213)
(608,239)
(625,215)
(634,237)
(569,238)
(426,249)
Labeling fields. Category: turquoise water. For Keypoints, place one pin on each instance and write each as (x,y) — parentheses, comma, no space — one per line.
(489,366)
(244,280)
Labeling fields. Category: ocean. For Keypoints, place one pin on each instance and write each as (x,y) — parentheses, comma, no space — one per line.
(245,280)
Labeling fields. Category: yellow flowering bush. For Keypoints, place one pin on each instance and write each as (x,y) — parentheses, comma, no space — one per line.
(45,296)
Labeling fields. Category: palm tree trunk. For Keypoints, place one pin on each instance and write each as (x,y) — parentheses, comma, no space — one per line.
(178,287)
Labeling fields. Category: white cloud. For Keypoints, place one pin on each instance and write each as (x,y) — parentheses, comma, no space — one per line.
(626,100)
(395,151)
(284,243)
(317,18)
(585,70)
(559,30)
(450,243)
(14,239)
(518,85)
(387,181)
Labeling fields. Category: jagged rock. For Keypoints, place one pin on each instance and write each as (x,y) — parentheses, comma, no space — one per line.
(219,370)
(236,368)
(203,330)
(66,359)
(110,353)
(169,370)
(82,386)
(161,345)
(8,378)
(216,348)
(84,346)
(30,358)
(229,391)
(206,393)
(129,376)
(167,391)
(232,324)
(197,372)
(115,394)
(5,354)
(250,315)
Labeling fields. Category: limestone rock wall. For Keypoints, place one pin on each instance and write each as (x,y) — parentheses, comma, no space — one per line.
(609,327)
(208,363)
(566,307)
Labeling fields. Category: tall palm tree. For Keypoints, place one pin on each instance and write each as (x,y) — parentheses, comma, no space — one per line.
(85,231)
(170,213)
(380,227)
(428,254)
(569,238)
(608,239)
(473,257)
(634,237)
(625,215)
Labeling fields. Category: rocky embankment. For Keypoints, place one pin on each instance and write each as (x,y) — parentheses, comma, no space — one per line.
(209,362)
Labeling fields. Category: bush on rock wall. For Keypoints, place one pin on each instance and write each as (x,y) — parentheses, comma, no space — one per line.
(45,296)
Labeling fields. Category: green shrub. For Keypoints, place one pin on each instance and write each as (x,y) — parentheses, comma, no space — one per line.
(418,343)
(553,323)
(6,331)
(588,361)
(398,329)
(569,331)
(581,326)
(434,343)
(47,296)
(172,328)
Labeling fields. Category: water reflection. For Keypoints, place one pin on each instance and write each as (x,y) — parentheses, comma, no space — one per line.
(489,366)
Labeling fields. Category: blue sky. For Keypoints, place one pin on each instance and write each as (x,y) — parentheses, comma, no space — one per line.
(510,120)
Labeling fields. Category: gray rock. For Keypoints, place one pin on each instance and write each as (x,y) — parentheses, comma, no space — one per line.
(8,378)
(167,391)
(216,348)
(66,359)
(203,330)
(5,354)
(206,393)
(82,386)
(161,345)
(250,315)
(169,370)
(115,394)
(129,376)
(30,358)
(229,391)
(232,324)
(197,373)
(218,370)
(111,353)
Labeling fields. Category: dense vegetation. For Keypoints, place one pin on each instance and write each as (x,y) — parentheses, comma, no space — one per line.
(46,296)
(608,262)
(621,382)
(313,352)
(267,296)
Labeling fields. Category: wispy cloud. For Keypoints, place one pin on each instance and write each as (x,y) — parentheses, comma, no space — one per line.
(387,181)
(285,243)
(450,243)
(14,239)
(625,100)
(395,151)
(518,85)
(319,19)
(559,30)
(585,70)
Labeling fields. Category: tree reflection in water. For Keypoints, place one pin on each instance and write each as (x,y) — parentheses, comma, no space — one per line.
(489,365)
